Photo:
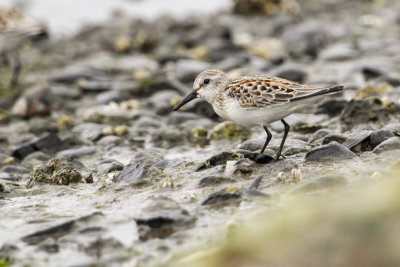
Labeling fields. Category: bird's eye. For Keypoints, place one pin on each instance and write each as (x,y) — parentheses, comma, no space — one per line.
(206,81)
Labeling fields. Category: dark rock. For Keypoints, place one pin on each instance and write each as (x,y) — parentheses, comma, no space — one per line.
(223,197)
(258,157)
(76,152)
(359,142)
(23,151)
(50,143)
(334,138)
(107,167)
(362,112)
(219,159)
(180,117)
(379,136)
(162,218)
(323,182)
(330,151)
(215,181)
(389,144)
(292,74)
(60,230)
(331,107)
(131,173)
(139,167)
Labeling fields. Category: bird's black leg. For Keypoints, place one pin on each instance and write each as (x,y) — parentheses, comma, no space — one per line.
(16,69)
(269,136)
(287,128)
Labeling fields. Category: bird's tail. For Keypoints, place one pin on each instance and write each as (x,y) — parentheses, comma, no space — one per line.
(323,91)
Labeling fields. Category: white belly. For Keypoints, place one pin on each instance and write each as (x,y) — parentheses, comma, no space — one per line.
(245,117)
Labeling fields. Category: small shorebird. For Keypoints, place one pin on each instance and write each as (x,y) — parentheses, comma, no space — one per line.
(254,100)
(15,29)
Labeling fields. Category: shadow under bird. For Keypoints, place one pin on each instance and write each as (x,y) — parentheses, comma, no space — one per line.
(255,100)
(15,29)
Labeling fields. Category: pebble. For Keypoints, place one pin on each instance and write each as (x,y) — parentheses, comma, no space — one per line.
(331,151)
(389,144)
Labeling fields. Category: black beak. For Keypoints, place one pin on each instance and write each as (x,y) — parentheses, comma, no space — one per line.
(188,98)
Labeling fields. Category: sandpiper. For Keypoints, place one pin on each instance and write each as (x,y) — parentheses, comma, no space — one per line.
(254,100)
(15,29)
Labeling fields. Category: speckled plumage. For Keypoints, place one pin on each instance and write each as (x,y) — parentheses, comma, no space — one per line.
(252,100)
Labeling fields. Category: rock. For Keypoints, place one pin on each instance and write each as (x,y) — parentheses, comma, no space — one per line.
(162,218)
(161,102)
(215,181)
(187,70)
(243,167)
(107,97)
(168,137)
(65,92)
(323,182)
(110,140)
(110,166)
(318,135)
(334,138)
(49,143)
(230,130)
(76,152)
(56,172)
(34,159)
(218,159)
(362,112)
(15,169)
(294,73)
(258,157)
(330,151)
(61,230)
(73,73)
(226,196)
(180,117)
(304,39)
(331,107)
(252,145)
(339,52)
(379,136)
(87,86)
(359,142)
(131,173)
(389,144)
(139,167)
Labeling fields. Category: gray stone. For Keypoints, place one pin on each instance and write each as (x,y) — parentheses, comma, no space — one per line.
(180,117)
(110,140)
(389,144)
(223,197)
(107,97)
(131,173)
(339,52)
(76,152)
(187,70)
(330,151)
(15,169)
(379,136)
(215,181)
(252,145)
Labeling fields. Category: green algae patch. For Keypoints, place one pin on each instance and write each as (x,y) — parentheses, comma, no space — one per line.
(230,130)
(56,172)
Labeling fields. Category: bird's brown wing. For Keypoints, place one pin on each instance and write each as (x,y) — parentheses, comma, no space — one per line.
(254,92)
